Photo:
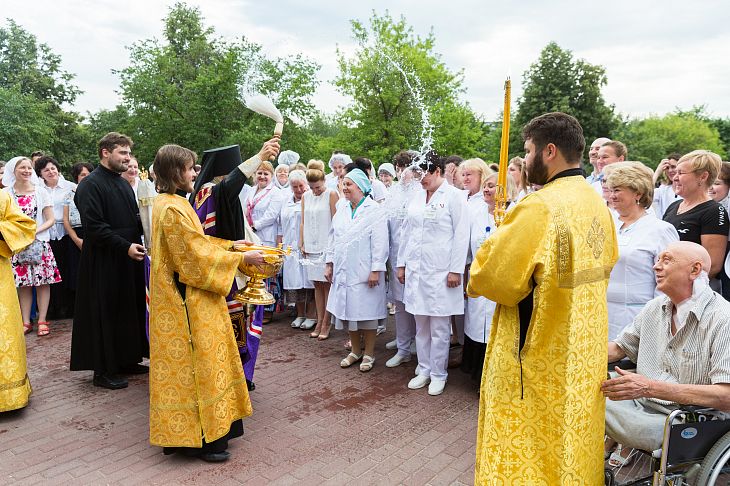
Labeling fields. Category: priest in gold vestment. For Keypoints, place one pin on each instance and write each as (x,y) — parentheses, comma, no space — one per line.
(16,232)
(198,392)
(541,412)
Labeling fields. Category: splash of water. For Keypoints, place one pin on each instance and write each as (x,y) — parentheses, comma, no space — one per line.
(408,186)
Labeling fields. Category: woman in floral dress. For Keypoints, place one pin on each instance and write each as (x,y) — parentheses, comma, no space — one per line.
(21,181)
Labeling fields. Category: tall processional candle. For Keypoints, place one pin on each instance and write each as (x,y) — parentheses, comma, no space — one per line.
(500,200)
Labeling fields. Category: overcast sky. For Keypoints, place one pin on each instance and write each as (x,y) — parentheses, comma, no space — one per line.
(658,55)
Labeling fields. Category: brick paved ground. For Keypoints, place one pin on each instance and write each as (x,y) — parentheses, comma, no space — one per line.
(313,423)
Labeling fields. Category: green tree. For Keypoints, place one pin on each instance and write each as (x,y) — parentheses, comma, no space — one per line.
(33,74)
(651,139)
(185,89)
(386,115)
(25,124)
(558,82)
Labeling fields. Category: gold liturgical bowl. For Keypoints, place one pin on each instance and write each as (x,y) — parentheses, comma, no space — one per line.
(255,292)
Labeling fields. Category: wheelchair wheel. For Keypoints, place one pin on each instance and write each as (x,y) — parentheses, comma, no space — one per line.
(716,463)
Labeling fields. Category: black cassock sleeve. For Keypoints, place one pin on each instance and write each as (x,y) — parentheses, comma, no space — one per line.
(90,204)
(229,214)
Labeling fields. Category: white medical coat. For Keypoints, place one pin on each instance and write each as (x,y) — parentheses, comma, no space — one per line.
(354,254)
(434,242)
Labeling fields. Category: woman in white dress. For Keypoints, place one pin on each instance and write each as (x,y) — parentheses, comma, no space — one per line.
(431,259)
(319,205)
(480,310)
(261,208)
(297,287)
(641,238)
(356,256)
(61,305)
(473,175)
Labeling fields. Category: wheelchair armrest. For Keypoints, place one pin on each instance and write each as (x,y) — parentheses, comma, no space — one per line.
(697,408)
(624,364)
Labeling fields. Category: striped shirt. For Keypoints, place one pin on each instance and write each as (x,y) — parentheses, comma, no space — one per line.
(698,354)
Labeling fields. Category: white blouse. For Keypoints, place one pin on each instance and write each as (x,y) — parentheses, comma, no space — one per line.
(632,283)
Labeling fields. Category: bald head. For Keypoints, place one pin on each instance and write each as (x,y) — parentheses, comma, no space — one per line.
(593,152)
(691,253)
(677,268)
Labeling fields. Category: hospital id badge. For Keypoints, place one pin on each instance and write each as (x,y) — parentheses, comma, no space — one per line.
(401,213)
(429,213)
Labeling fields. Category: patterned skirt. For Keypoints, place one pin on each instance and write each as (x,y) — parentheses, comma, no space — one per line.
(44,273)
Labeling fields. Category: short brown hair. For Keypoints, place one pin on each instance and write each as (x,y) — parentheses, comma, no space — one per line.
(619,148)
(724,174)
(112,140)
(560,129)
(169,164)
(403,158)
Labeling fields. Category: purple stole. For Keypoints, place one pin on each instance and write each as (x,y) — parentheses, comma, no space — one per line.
(247,331)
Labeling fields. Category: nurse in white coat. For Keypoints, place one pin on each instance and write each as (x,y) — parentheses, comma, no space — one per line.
(431,259)
(641,238)
(405,323)
(298,289)
(262,205)
(480,310)
(355,257)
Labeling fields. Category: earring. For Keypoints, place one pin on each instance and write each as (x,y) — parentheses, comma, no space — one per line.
(637,202)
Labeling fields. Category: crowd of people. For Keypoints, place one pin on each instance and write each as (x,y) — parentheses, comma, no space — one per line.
(422,259)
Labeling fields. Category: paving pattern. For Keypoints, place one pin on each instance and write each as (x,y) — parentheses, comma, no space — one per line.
(313,423)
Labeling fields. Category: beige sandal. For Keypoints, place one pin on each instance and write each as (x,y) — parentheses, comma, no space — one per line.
(367,363)
(350,360)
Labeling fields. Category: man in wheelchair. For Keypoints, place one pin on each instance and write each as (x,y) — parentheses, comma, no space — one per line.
(680,343)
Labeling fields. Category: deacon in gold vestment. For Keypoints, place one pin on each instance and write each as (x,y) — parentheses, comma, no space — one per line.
(197,386)
(541,412)
(16,232)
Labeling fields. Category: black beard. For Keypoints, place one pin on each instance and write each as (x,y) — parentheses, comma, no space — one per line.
(537,172)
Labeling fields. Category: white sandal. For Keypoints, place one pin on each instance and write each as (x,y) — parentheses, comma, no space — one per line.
(367,363)
(350,360)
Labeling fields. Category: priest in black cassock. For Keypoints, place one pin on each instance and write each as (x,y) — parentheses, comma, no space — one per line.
(109,325)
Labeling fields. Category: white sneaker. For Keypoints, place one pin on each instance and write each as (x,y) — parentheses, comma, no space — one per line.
(297,322)
(391,344)
(391,309)
(436,387)
(308,324)
(419,382)
(380,331)
(397,360)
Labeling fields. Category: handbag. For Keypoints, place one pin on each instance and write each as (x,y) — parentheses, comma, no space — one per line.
(31,255)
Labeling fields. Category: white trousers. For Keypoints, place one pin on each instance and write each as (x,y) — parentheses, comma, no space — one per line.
(432,345)
(405,329)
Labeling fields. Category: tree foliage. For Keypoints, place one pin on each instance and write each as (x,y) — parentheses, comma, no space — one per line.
(558,82)
(34,90)
(653,138)
(386,114)
(185,89)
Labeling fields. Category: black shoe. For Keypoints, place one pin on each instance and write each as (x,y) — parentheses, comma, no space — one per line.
(250,385)
(215,456)
(112,382)
(135,369)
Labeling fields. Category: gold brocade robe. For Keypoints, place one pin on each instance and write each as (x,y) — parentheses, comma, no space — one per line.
(541,411)
(196,378)
(18,231)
